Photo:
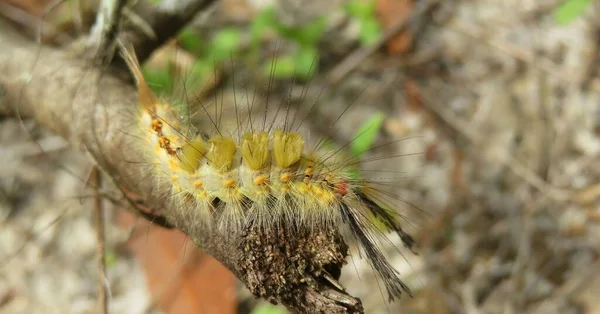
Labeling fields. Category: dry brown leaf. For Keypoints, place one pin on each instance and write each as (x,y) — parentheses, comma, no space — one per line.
(181,279)
(393,12)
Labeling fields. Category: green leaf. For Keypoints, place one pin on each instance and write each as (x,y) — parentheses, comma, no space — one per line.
(361,9)
(569,10)
(110,258)
(306,60)
(159,80)
(312,32)
(280,67)
(370,31)
(198,73)
(269,309)
(190,41)
(225,42)
(366,134)
(264,20)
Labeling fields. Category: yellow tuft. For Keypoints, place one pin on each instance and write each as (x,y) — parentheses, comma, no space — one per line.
(287,148)
(221,153)
(255,150)
(191,154)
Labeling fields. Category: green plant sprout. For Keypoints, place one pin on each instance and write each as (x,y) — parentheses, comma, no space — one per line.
(223,46)
(364,13)
(302,62)
(367,134)
(570,10)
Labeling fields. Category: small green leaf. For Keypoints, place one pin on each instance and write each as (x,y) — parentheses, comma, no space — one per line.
(366,134)
(159,80)
(569,10)
(110,258)
(269,309)
(312,32)
(263,21)
(190,41)
(306,60)
(280,67)
(198,73)
(225,42)
(361,9)
(370,31)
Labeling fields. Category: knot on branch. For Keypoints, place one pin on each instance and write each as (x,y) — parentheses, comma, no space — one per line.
(299,268)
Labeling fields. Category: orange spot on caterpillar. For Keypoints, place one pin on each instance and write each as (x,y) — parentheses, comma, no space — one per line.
(229,183)
(198,184)
(286,177)
(165,143)
(260,180)
(157,126)
(341,188)
(309,171)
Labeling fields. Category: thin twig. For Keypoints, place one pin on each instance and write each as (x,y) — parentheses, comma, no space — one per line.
(105,30)
(163,20)
(104,290)
(355,58)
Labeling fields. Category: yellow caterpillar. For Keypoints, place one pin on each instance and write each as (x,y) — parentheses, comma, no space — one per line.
(263,177)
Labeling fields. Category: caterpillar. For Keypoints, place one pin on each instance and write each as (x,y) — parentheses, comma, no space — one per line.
(265,175)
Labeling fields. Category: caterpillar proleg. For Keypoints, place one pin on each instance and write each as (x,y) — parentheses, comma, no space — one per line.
(264,178)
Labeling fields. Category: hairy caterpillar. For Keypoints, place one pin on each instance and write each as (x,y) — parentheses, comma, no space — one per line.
(263,174)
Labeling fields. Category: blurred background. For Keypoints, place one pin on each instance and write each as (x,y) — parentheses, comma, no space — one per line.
(492,108)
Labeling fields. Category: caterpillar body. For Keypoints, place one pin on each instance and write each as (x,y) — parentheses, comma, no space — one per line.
(265,177)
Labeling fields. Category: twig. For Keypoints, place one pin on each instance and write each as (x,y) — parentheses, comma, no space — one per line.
(165,20)
(355,58)
(104,290)
(105,30)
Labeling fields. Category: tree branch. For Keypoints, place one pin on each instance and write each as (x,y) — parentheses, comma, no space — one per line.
(95,110)
(105,30)
(165,19)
